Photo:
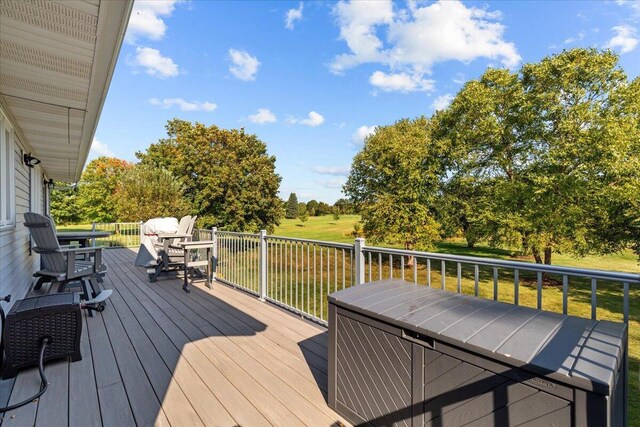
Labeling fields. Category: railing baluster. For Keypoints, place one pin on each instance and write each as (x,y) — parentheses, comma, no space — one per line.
(495,284)
(344,268)
(516,286)
(335,268)
(443,273)
(390,266)
(369,259)
(539,290)
(379,265)
(402,267)
(428,272)
(625,302)
(594,290)
(297,279)
(321,280)
(565,293)
(315,310)
(476,278)
(415,270)
(459,277)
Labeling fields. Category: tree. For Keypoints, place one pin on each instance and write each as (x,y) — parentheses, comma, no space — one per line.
(64,206)
(97,187)
(546,159)
(147,192)
(291,208)
(335,211)
(312,207)
(303,215)
(323,209)
(228,176)
(394,181)
(345,206)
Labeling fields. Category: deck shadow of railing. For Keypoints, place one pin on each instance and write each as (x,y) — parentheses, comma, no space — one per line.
(317,363)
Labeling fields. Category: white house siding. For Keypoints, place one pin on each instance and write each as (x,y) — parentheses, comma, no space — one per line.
(16,264)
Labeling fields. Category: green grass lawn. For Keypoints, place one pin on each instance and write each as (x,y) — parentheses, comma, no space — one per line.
(326,228)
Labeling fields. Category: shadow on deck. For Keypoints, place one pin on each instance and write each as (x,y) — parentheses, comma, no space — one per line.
(159,356)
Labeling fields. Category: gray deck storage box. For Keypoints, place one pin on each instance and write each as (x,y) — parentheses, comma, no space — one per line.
(409,355)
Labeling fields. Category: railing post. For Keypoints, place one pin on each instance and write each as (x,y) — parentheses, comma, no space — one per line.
(358,257)
(263,265)
(214,254)
(93,228)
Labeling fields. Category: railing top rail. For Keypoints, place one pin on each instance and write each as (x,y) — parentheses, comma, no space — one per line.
(519,265)
(116,223)
(235,233)
(315,242)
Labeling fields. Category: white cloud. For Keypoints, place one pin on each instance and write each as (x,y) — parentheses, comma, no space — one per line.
(577,38)
(332,183)
(418,37)
(263,116)
(625,39)
(292,16)
(459,79)
(155,64)
(99,148)
(401,82)
(361,133)
(184,105)
(441,102)
(245,67)
(331,170)
(314,119)
(147,19)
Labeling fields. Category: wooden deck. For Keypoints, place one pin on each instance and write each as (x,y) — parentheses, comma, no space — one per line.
(160,356)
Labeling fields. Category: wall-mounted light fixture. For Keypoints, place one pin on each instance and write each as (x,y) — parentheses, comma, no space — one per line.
(30,161)
(48,183)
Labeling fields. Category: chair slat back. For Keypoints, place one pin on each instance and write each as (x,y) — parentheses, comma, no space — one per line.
(191,225)
(43,233)
(183,226)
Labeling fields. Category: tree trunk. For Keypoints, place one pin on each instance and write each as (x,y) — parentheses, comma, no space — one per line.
(536,254)
(547,255)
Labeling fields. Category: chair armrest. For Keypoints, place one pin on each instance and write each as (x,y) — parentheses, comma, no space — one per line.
(87,250)
(163,236)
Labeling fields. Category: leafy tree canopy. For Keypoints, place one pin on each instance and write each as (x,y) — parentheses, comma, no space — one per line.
(97,187)
(228,176)
(147,192)
(291,207)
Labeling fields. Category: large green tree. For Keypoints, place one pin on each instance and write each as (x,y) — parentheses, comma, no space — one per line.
(97,187)
(228,176)
(147,192)
(394,182)
(551,154)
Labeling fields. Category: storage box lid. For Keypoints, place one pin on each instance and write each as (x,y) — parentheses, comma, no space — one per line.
(575,351)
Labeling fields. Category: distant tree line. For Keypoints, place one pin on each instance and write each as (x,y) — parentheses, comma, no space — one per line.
(294,209)
(545,159)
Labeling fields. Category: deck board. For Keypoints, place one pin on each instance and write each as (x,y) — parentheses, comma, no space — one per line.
(159,356)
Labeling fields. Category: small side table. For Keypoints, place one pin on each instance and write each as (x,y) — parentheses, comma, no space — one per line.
(192,246)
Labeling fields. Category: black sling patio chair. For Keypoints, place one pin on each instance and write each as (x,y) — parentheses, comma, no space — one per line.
(61,266)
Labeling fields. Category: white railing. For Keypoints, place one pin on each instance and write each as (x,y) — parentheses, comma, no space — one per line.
(299,274)
(123,234)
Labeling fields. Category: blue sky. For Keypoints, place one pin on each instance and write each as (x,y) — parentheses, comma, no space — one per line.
(312,78)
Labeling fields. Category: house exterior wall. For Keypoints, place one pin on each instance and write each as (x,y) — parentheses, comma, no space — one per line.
(17,261)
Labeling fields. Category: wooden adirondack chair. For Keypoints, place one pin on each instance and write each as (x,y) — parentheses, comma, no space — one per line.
(61,265)
(170,253)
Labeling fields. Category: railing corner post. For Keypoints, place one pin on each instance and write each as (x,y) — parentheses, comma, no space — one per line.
(358,248)
(214,254)
(263,265)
